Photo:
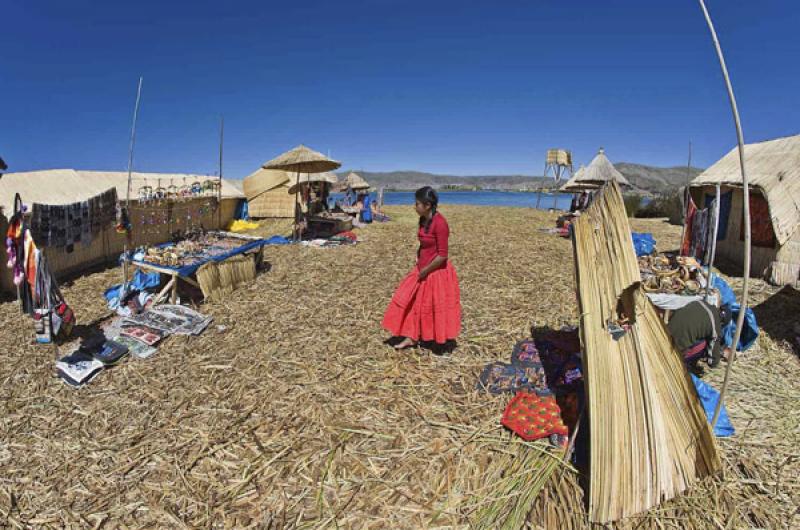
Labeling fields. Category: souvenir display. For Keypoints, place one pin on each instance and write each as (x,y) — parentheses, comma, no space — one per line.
(78,368)
(68,224)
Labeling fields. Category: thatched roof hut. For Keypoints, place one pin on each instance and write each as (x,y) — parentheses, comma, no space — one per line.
(267,192)
(66,186)
(601,171)
(773,170)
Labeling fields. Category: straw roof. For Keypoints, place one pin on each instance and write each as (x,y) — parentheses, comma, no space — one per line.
(601,170)
(65,186)
(355,181)
(774,168)
(572,185)
(263,180)
(301,158)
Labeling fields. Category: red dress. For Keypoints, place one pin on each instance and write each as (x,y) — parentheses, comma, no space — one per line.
(427,310)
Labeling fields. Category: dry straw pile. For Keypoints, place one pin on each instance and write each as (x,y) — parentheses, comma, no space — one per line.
(649,435)
(290,412)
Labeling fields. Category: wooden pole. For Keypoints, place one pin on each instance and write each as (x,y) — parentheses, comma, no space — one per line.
(297,207)
(219,191)
(686,194)
(541,184)
(747,237)
(128,191)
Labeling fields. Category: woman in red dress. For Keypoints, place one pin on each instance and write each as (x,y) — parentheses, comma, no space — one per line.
(427,304)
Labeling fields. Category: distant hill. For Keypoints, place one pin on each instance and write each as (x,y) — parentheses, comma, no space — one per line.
(646,179)
(657,179)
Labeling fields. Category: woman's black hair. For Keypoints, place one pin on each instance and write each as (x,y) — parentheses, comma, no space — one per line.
(725,315)
(427,195)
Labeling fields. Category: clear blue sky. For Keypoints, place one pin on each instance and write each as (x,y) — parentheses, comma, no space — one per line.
(442,86)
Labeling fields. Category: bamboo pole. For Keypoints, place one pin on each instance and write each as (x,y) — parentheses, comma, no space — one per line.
(746,189)
(128,191)
(219,191)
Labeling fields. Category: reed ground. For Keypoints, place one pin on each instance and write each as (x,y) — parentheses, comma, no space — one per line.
(290,410)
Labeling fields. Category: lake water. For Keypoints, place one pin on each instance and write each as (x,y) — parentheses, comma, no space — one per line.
(481,198)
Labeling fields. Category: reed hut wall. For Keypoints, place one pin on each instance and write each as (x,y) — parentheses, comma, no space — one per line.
(276,203)
(779,264)
(108,244)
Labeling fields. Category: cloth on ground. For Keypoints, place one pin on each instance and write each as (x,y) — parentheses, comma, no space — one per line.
(750,330)
(241,225)
(709,397)
(533,417)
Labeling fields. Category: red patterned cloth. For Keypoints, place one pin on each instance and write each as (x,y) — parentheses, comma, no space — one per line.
(533,417)
(686,244)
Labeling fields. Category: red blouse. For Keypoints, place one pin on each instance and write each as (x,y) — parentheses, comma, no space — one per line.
(433,242)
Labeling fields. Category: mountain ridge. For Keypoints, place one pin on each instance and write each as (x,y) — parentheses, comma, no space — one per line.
(645,179)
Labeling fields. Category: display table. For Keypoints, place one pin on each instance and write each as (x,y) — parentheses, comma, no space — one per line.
(183,264)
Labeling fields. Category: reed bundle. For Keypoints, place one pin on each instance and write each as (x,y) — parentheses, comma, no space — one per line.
(219,279)
(649,436)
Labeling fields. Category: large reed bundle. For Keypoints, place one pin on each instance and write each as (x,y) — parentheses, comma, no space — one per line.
(649,436)
(218,279)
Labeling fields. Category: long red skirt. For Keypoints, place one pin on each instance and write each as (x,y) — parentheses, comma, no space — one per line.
(429,310)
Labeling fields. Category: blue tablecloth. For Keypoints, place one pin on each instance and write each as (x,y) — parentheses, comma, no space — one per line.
(191,268)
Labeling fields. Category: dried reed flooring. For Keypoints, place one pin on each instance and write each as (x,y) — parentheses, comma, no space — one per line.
(290,411)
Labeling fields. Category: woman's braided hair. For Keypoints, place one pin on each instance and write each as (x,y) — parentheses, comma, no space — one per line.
(427,195)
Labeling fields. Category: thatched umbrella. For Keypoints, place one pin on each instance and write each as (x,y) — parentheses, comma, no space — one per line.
(306,178)
(302,159)
(573,185)
(354,181)
(600,171)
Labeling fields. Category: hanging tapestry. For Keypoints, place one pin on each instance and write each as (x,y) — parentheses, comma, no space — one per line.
(725,200)
(762,234)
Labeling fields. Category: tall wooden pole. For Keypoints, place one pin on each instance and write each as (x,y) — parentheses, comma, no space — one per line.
(686,194)
(219,191)
(128,191)
(746,190)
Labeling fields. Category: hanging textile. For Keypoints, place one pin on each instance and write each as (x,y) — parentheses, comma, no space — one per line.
(65,225)
(725,200)
(761,232)
(37,290)
(691,211)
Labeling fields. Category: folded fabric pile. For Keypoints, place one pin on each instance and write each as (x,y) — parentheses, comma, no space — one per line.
(546,376)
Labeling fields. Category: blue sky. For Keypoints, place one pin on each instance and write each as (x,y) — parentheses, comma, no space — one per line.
(441,86)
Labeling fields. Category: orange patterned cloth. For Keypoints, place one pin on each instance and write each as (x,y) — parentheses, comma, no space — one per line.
(533,417)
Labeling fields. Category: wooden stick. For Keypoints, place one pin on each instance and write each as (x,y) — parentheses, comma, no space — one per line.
(746,190)
(128,191)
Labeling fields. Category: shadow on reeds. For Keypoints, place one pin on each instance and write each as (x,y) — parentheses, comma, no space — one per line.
(777,316)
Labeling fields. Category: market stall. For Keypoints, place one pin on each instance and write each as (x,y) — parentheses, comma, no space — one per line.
(183,260)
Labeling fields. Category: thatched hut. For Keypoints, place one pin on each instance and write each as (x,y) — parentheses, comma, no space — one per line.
(600,171)
(267,193)
(66,186)
(773,171)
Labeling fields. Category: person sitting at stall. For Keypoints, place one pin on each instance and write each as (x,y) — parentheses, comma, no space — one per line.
(349,196)
(696,331)
(365,215)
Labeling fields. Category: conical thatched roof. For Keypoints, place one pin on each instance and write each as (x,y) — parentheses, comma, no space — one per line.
(572,185)
(301,158)
(263,180)
(355,182)
(601,170)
